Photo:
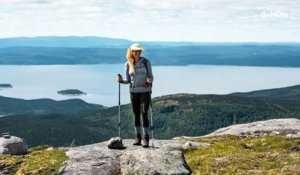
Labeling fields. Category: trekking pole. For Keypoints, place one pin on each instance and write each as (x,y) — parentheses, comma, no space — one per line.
(151,117)
(119,107)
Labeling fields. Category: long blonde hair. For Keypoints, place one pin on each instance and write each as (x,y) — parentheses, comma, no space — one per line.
(130,59)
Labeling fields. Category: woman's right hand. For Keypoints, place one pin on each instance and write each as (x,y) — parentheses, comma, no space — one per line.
(120,79)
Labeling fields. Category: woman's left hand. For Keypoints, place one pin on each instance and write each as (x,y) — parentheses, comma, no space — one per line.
(149,81)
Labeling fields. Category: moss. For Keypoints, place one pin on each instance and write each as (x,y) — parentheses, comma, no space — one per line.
(10,163)
(256,155)
(39,148)
(39,160)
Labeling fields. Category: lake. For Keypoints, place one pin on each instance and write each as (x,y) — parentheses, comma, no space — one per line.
(99,81)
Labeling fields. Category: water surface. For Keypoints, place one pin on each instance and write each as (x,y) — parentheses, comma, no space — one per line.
(99,81)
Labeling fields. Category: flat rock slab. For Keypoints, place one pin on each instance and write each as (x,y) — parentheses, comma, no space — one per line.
(153,162)
(165,158)
(279,126)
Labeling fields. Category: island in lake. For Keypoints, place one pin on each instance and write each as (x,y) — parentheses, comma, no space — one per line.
(6,86)
(71,92)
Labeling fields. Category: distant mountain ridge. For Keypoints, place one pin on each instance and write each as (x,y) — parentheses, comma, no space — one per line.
(68,41)
(97,50)
(82,41)
(289,97)
(14,106)
(95,41)
(288,93)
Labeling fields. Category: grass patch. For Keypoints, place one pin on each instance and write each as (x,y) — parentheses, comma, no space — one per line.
(252,155)
(39,160)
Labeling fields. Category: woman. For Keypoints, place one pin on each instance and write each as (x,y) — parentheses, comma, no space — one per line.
(139,76)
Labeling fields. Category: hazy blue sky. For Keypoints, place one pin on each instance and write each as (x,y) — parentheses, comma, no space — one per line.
(159,20)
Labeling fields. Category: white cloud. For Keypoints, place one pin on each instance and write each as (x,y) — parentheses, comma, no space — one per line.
(197,20)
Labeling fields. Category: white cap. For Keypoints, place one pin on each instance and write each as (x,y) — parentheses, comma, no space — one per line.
(136,46)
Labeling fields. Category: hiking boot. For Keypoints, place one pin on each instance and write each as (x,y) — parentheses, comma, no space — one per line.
(146,141)
(138,140)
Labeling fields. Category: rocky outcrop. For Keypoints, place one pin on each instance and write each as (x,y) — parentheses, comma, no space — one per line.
(289,127)
(165,158)
(12,145)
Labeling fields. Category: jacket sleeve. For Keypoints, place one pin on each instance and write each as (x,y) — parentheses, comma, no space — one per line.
(149,67)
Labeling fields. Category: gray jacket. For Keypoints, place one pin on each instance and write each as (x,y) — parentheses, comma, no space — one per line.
(138,79)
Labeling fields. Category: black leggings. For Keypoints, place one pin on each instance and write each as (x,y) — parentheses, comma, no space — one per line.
(140,105)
